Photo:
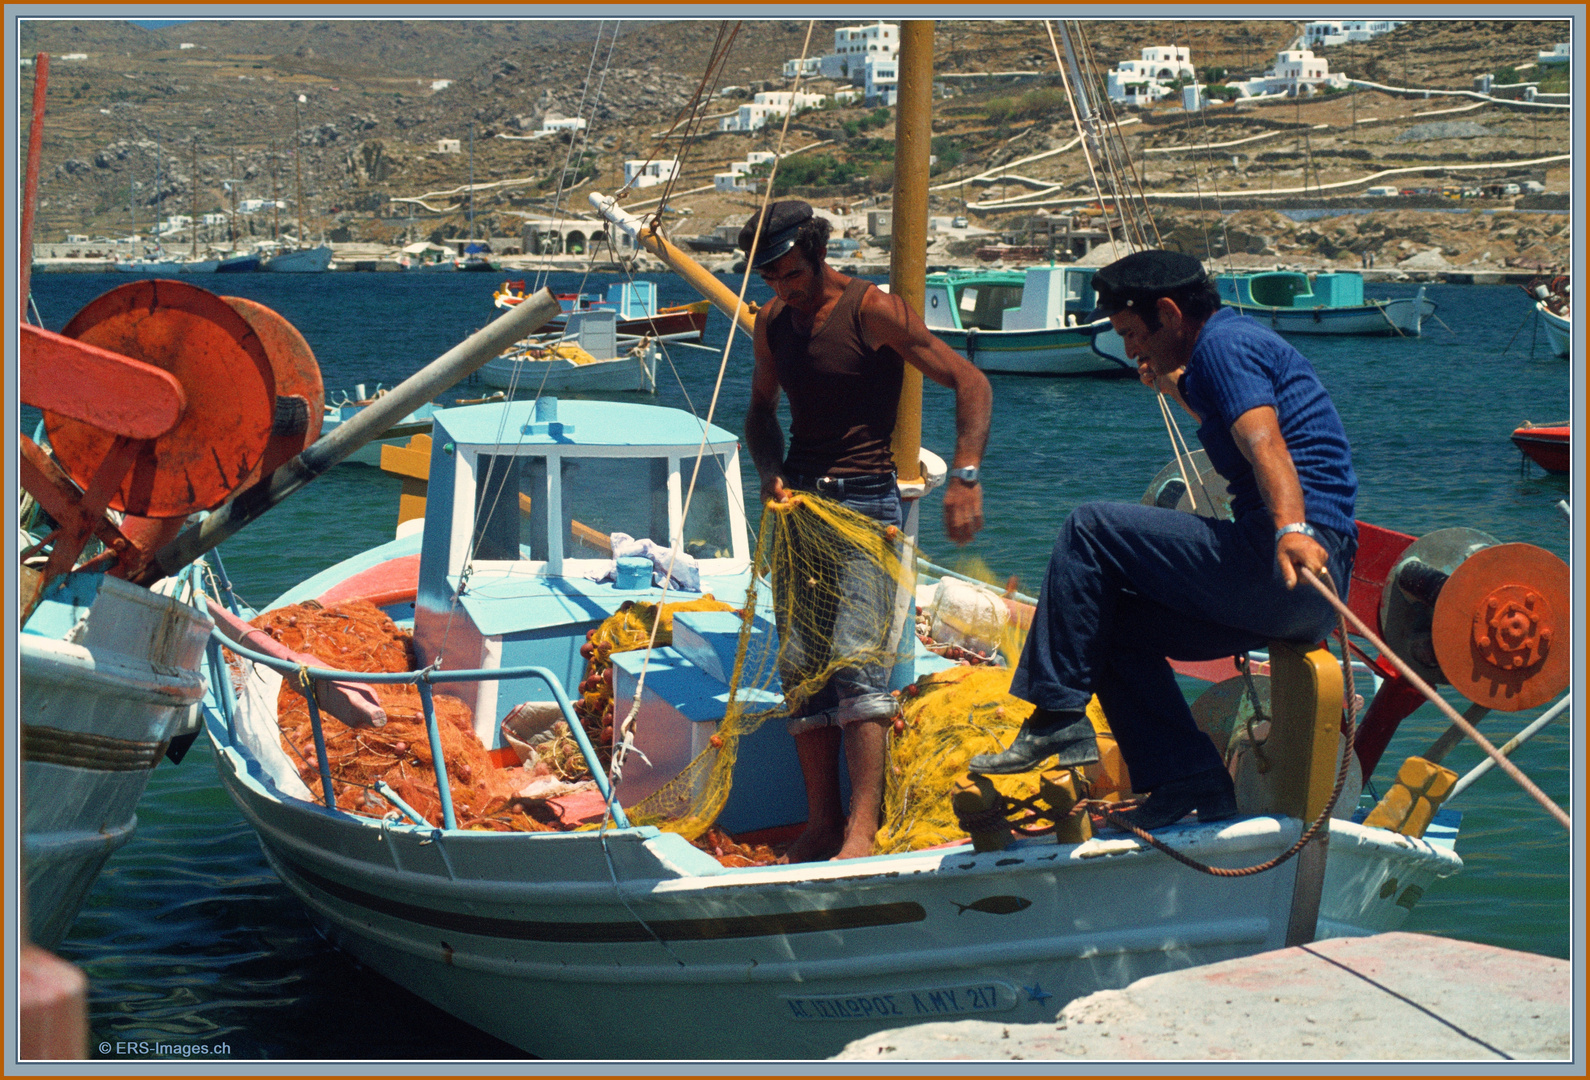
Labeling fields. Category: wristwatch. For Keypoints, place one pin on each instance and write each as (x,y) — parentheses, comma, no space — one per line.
(967,473)
(1297,527)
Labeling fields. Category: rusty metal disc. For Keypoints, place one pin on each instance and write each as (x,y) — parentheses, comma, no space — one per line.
(1501,627)
(300,393)
(1405,615)
(223,369)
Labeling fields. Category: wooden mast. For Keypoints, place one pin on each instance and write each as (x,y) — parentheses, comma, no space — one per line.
(913,129)
(298,164)
(193,203)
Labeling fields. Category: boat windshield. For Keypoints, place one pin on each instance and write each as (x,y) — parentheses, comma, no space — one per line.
(599,496)
(983,305)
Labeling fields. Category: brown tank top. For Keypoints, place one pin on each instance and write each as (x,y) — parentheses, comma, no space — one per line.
(843,395)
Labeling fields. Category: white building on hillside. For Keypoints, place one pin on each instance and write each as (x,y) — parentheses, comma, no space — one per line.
(1137,82)
(1560,54)
(551,124)
(766,106)
(642,174)
(1341,31)
(882,79)
(854,44)
(1296,71)
(739,178)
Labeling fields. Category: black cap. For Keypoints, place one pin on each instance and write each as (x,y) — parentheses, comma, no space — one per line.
(1142,278)
(784,221)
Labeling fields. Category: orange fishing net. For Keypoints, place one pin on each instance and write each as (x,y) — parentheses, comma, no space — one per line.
(357,636)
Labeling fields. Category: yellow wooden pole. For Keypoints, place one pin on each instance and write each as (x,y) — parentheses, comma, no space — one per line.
(913,138)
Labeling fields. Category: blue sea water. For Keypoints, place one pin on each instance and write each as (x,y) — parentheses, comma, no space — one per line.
(190,938)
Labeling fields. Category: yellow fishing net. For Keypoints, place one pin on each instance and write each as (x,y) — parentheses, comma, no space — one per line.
(835,576)
(842,586)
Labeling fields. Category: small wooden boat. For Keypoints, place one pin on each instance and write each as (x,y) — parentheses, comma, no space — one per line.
(587,356)
(1032,322)
(348,405)
(312,260)
(1331,302)
(1547,445)
(636,305)
(1559,327)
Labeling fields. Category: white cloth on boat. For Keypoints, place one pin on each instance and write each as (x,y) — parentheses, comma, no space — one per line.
(686,572)
(255,729)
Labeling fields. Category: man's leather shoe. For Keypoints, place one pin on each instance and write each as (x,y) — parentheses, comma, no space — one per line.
(1210,792)
(1043,735)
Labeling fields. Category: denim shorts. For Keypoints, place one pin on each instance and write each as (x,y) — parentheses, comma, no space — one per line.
(854,691)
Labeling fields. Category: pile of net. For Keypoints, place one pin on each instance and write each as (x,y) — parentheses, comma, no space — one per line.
(357,636)
(947,718)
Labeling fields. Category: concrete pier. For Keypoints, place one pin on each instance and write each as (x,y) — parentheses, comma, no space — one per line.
(1390,997)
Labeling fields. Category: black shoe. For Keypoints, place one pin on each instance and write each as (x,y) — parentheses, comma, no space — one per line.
(1042,736)
(1210,792)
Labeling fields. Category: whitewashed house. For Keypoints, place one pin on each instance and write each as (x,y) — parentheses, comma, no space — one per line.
(643,174)
(1561,53)
(1341,31)
(738,178)
(1296,71)
(882,79)
(552,123)
(767,105)
(854,44)
(449,146)
(1137,82)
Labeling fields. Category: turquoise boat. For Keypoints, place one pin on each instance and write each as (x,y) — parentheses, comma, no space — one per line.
(1331,302)
(1024,322)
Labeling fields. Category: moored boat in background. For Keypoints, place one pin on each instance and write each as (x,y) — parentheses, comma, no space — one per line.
(635,302)
(1330,302)
(1032,322)
(1547,445)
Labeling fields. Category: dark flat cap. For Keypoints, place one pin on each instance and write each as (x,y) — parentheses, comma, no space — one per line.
(1142,278)
(784,221)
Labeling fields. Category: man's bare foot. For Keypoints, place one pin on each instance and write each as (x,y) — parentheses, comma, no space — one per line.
(859,843)
(817,843)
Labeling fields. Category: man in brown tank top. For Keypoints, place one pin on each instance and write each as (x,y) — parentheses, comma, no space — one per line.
(837,346)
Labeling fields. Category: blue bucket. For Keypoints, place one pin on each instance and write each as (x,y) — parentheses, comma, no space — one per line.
(633,573)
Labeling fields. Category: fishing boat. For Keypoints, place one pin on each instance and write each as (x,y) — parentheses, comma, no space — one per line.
(587,355)
(1554,301)
(636,305)
(625,929)
(239,263)
(199,266)
(305,260)
(1547,445)
(1032,322)
(1330,302)
(348,405)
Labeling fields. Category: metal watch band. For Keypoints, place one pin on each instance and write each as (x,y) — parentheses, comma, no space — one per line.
(1297,527)
(967,473)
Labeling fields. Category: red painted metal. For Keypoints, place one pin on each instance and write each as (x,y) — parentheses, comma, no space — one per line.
(1378,551)
(221,364)
(30,184)
(1548,446)
(95,386)
(297,376)
(61,498)
(1501,627)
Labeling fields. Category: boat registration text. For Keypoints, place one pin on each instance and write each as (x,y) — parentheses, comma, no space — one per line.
(927,1001)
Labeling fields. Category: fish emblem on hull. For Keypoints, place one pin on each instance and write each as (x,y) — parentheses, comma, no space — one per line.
(996,905)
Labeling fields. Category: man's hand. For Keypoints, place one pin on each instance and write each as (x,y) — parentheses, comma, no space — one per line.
(963,511)
(1165,384)
(773,489)
(1298,553)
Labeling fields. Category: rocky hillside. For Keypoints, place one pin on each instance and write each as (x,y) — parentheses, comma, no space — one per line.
(217,108)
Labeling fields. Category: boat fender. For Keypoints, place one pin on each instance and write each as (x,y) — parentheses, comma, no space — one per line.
(971,344)
(354,703)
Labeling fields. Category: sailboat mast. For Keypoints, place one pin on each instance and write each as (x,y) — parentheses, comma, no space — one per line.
(193,202)
(298,163)
(276,197)
(913,128)
(471,184)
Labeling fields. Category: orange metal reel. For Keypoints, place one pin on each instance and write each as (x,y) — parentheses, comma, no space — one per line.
(1501,627)
(218,444)
(300,393)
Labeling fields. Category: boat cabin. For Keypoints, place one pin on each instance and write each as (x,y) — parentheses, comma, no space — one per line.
(1290,289)
(523,501)
(1040,298)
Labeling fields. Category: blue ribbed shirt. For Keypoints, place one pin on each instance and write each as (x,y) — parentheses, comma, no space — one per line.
(1239,364)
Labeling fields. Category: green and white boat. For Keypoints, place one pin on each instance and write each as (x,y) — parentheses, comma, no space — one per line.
(1025,322)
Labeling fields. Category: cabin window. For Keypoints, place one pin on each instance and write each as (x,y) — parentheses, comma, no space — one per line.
(510,508)
(706,533)
(984,307)
(608,495)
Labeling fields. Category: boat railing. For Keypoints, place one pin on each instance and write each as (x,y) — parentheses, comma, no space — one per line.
(422,680)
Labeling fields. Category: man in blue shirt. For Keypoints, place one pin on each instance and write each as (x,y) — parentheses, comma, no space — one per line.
(1129,587)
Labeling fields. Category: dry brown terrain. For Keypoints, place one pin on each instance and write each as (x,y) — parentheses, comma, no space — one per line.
(227,109)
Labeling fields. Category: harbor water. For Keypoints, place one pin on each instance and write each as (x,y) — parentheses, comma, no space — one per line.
(189,938)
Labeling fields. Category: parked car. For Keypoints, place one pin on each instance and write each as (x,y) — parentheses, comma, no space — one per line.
(958,223)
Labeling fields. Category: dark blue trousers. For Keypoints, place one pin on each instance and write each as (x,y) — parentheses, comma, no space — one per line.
(1131,587)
